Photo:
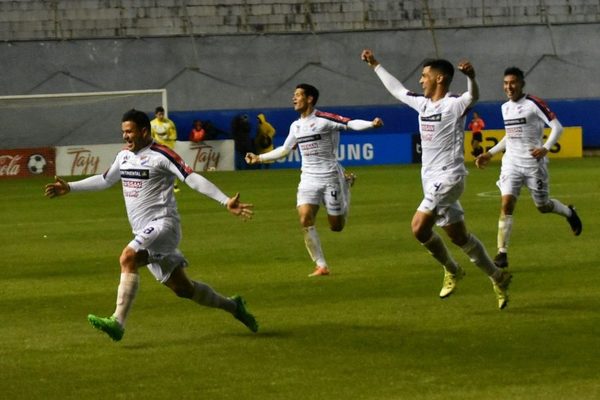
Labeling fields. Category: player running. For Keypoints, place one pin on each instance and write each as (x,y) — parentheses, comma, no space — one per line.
(147,172)
(323,180)
(524,162)
(443,173)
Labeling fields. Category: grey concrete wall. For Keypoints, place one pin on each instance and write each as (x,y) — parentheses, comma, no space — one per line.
(84,19)
(258,71)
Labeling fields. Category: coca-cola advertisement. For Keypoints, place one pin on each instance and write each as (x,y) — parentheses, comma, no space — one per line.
(24,163)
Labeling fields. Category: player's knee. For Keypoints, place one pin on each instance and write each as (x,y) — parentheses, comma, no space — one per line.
(127,260)
(183,291)
(422,235)
(306,220)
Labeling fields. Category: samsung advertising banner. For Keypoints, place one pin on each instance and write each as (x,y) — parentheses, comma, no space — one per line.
(362,149)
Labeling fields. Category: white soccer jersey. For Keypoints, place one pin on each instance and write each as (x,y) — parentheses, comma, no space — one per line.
(524,122)
(147,178)
(317,136)
(441,125)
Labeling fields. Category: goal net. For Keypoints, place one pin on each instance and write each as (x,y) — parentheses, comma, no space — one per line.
(65,119)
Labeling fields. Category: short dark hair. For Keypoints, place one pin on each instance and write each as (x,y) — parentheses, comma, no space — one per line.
(309,90)
(159,109)
(516,72)
(442,66)
(139,118)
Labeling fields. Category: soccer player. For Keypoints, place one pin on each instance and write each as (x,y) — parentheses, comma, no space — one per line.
(147,171)
(524,162)
(323,180)
(164,132)
(443,173)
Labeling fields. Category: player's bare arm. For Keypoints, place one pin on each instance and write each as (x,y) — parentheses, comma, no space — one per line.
(467,68)
(58,188)
(483,159)
(539,152)
(377,122)
(368,57)
(252,159)
(243,210)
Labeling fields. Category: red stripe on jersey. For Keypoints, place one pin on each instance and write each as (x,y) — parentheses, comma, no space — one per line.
(173,157)
(541,104)
(332,117)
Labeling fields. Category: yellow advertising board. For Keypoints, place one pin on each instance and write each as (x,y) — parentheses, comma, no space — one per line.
(570,144)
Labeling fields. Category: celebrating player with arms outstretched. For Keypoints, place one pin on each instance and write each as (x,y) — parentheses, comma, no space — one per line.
(147,171)
(316,134)
(442,121)
(525,163)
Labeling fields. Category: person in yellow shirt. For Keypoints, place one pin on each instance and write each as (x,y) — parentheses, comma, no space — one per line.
(264,137)
(164,132)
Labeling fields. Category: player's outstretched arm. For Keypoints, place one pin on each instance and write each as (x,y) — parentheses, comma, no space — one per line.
(58,188)
(252,159)
(243,210)
(362,125)
(377,122)
(272,155)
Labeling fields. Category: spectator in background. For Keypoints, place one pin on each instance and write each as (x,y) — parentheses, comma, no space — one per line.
(476,126)
(164,132)
(263,142)
(197,134)
(240,129)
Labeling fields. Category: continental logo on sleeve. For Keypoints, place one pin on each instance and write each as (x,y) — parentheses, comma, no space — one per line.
(135,173)
(515,121)
(310,138)
(432,118)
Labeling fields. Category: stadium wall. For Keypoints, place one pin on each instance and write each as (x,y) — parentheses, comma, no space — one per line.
(222,59)
(85,19)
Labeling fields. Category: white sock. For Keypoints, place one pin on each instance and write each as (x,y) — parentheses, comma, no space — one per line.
(479,256)
(560,208)
(313,245)
(206,296)
(436,247)
(504,230)
(128,287)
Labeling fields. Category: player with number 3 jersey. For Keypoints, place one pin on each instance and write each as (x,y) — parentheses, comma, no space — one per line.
(525,161)
(147,172)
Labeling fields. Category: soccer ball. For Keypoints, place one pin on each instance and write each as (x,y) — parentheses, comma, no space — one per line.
(36,164)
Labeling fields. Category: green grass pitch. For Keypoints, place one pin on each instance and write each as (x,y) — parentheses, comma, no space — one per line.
(374,329)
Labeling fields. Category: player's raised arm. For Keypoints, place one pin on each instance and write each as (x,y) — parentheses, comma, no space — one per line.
(467,68)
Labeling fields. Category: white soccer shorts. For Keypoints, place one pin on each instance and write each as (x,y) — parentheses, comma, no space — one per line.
(333,193)
(160,238)
(441,198)
(534,178)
